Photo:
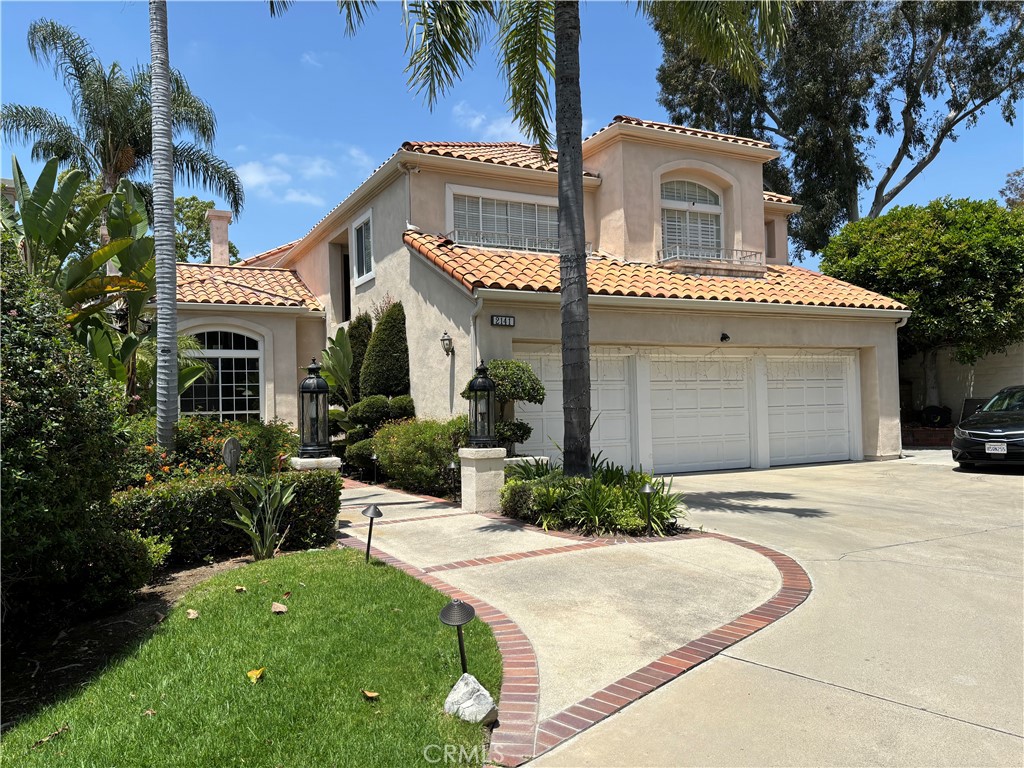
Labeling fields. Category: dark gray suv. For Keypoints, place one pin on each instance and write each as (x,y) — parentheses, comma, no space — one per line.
(994,434)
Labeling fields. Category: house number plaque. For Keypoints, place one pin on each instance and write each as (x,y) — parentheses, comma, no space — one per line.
(508,321)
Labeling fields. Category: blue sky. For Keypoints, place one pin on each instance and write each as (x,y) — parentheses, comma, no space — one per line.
(305,113)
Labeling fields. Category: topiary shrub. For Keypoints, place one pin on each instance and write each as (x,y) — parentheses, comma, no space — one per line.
(401,408)
(514,381)
(61,449)
(370,412)
(190,514)
(385,368)
(359,332)
(359,454)
(415,454)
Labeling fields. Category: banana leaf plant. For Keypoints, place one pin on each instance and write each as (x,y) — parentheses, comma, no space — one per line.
(337,368)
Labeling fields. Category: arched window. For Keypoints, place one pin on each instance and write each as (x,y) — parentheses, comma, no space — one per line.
(691,221)
(234,387)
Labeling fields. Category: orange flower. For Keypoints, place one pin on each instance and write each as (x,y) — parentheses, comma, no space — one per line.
(149,449)
(149,478)
(163,455)
(188,472)
(181,465)
(166,469)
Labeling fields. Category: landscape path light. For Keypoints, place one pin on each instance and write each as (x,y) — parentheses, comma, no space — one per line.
(648,491)
(372,512)
(457,614)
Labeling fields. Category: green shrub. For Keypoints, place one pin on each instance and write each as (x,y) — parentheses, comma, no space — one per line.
(517,499)
(358,454)
(359,332)
(402,407)
(117,564)
(190,514)
(512,432)
(415,454)
(61,450)
(385,368)
(514,381)
(370,412)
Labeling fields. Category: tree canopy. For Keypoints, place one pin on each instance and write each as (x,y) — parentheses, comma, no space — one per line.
(192,231)
(957,264)
(920,71)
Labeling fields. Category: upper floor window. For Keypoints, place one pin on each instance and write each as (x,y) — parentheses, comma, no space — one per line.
(232,388)
(691,221)
(487,221)
(362,247)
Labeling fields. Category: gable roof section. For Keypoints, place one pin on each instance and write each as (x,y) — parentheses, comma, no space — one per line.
(538,272)
(270,255)
(243,286)
(684,130)
(507,153)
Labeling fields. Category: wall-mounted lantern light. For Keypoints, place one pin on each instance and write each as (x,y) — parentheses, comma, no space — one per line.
(457,614)
(724,337)
(481,409)
(314,438)
(447,344)
(372,512)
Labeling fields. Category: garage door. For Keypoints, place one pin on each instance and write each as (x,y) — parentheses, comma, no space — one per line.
(700,417)
(808,411)
(610,381)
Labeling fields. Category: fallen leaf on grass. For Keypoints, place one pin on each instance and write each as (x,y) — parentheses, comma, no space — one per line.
(278,608)
(301,584)
(64,728)
(149,713)
(240,588)
(191,613)
(369,695)
(255,675)
(286,595)
(264,581)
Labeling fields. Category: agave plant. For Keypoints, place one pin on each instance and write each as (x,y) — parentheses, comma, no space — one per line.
(260,515)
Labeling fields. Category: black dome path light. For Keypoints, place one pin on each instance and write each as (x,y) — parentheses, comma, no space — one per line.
(457,614)
(372,512)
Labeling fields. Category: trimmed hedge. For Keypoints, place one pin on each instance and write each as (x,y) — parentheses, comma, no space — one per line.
(415,454)
(370,412)
(401,408)
(385,368)
(359,332)
(191,514)
(61,448)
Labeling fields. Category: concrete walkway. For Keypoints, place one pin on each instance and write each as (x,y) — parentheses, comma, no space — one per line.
(596,613)
(910,650)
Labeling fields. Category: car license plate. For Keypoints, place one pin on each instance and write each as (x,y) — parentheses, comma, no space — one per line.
(995,447)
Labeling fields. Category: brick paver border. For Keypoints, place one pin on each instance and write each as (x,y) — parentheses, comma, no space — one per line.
(519,736)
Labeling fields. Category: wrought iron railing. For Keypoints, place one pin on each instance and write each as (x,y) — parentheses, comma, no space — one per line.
(483,239)
(705,253)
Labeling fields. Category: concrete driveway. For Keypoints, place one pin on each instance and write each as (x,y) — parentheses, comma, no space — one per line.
(909,651)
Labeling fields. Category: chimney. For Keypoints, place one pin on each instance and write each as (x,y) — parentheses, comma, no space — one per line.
(219,220)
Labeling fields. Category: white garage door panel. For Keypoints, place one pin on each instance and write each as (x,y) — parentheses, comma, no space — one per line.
(808,411)
(610,400)
(699,414)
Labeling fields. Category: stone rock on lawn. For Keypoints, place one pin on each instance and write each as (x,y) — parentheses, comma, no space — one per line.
(471,701)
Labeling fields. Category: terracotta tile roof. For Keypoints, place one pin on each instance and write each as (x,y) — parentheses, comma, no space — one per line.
(514,270)
(668,127)
(508,153)
(252,286)
(270,255)
(775,197)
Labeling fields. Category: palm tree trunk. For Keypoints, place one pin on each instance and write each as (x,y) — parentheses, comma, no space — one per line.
(572,241)
(163,230)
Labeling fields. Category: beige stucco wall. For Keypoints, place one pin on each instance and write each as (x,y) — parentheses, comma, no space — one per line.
(288,340)
(628,206)
(957,382)
(773,333)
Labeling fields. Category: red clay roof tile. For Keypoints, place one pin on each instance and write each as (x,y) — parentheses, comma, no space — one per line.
(252,286)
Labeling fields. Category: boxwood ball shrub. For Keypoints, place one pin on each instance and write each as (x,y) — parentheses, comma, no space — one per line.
(370,412)
(359,453)
(61,448)
(359,332)
(415,454)
(401,407)
(385,368)
(189,514)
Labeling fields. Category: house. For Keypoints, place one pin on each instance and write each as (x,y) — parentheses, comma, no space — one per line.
(708,350)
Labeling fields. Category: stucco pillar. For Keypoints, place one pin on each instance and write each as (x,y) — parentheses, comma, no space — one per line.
(483,474)
(220,255)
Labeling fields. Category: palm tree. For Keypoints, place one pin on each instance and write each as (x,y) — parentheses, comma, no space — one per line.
(163,155)
(538,41)
(111,136)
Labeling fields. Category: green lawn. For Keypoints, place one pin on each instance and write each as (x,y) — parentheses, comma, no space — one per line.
(349,626)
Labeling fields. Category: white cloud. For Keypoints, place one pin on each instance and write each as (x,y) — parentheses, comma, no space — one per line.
(261,178)
(306,198)
(486,127)
(311,59)
(241,148)
(308,167)
(359,158)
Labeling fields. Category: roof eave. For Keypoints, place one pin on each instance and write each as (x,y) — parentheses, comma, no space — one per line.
(480,168)
(646,134)
(219,307)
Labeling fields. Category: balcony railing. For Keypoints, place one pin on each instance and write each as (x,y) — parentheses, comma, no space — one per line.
(481,239)
(705,253)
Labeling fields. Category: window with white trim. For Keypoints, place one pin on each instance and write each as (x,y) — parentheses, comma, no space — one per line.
(362,248)
(489,221)
(232,390)
(691,221)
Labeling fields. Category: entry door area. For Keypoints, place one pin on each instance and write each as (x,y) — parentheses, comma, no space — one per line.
(808,410)
(610,406)
(700,414)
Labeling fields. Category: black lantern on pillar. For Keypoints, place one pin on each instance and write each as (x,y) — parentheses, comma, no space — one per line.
(313,415)
(481,409)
